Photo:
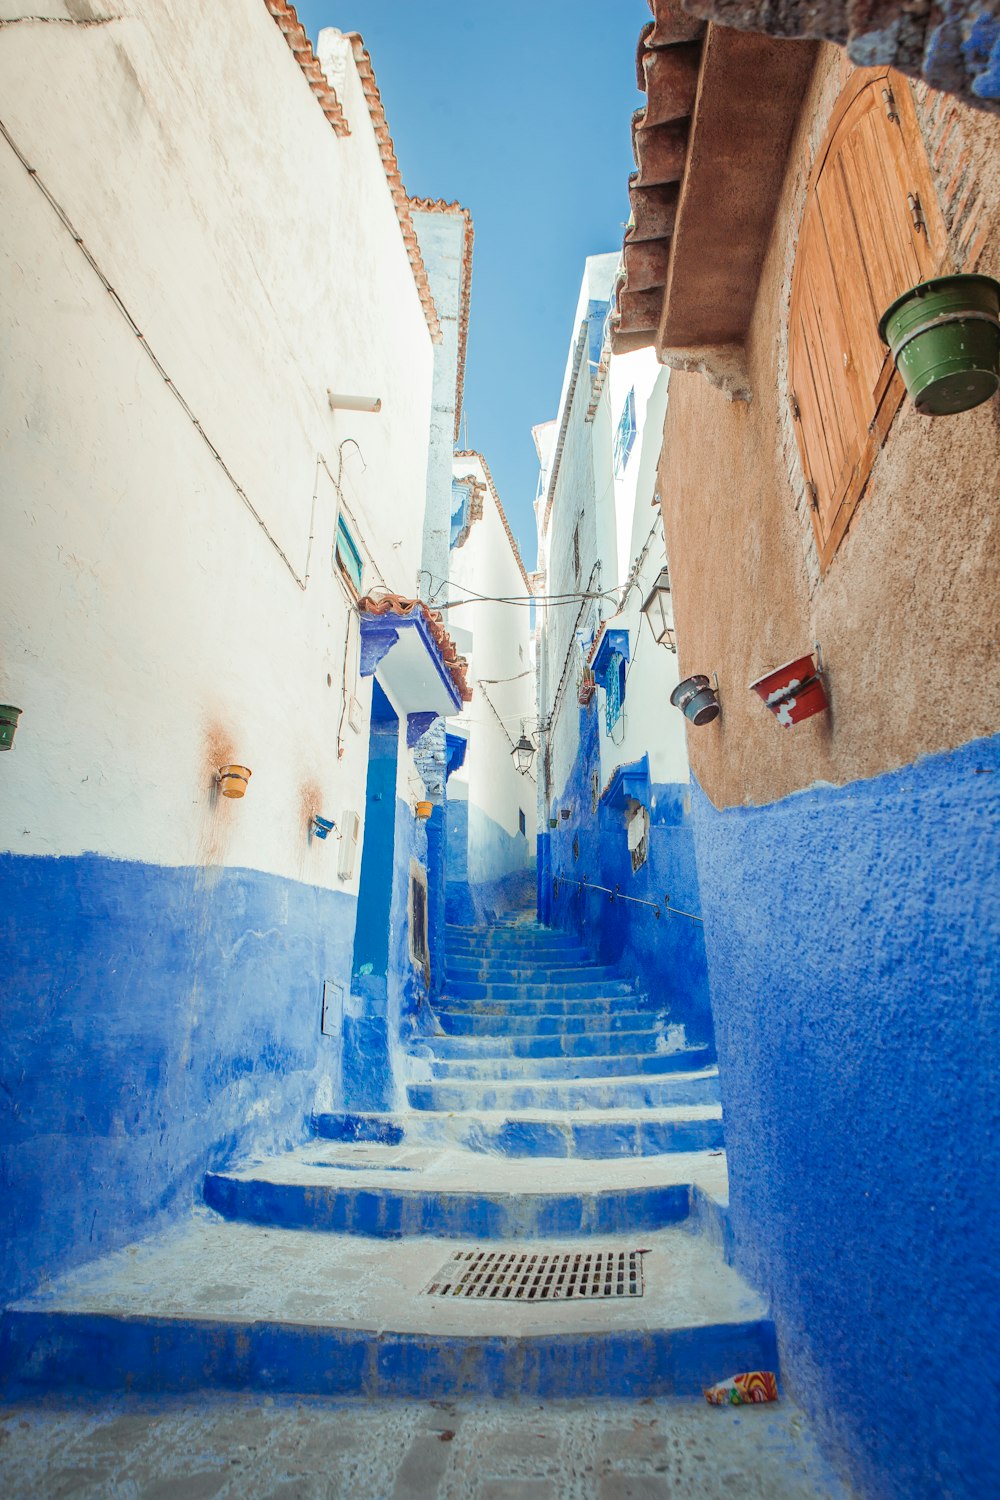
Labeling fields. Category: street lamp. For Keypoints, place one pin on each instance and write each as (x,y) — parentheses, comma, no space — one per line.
(656,608)
(523,753)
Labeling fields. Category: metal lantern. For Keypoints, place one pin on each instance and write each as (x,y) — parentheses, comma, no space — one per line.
(523,754)
(656,608)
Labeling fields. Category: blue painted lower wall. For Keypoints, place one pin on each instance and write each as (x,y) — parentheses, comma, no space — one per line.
(666,955)
(853,941)
(155,1021)
(490,871)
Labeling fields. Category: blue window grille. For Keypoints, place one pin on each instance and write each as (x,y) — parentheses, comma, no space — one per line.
(613,690)
(348,556)
(625,436)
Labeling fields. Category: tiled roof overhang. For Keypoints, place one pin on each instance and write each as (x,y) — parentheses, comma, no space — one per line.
(387,151)
(471,453)
(440,686)
(301,48)
(294,33)
(439,206)
(710,148)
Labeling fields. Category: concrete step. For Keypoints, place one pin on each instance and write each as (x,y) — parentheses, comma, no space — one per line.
(636,1092)
(539,988)
(538,1005)
(519,957)
(500,972)
(391,1191)
(231,1306)
(612,1066)
(594,1134)
(478,1023)
(559,1043)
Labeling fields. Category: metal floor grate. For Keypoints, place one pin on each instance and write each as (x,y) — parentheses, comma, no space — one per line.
(526,1276)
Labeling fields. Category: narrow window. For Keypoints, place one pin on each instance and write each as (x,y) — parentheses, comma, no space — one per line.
(614,692)
(576,551)
(625,436)
(348,556)
(638,838)
(419,951)
(521,825)
(860,246)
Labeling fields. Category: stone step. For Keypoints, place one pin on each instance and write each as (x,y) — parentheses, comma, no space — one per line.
(636,1092)
(503,973)
(511,942)
(597,1008)
(539,988)
(554,1044)
(463,1023)
(612,1066)
(594,1134)
(212,1305)
(520,957)
(391,1191)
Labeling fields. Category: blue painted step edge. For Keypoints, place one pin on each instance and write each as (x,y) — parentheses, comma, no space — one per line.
(392,1213)
(383,1129)
(48,1351)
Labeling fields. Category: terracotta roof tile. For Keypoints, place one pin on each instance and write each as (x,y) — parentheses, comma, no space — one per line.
(471,453)
(295,35)
(301,48)
(399,604)
(439,206)
(387,152)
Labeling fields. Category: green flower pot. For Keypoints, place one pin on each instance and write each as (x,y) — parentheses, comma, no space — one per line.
(8,724)
(945,338)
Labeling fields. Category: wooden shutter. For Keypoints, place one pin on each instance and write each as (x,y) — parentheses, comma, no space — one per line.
(859,248)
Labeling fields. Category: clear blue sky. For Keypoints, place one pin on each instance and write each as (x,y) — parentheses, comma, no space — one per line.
(522,112)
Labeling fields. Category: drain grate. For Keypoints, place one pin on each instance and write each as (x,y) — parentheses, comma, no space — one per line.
(521,1276)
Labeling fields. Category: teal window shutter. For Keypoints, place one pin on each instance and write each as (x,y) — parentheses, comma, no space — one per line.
(348,556)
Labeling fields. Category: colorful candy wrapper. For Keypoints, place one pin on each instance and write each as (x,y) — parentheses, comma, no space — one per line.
(744,1390)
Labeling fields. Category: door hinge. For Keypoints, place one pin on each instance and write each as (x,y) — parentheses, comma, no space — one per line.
(811,493)
(889,100)
(793,402)
(916,213)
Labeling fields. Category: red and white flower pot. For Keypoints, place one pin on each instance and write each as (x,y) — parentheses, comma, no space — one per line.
(794,691)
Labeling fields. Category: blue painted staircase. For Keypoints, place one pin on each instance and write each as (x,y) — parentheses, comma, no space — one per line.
(550,1107)
(539,1051)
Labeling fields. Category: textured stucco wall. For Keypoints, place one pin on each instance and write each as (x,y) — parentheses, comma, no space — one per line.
(908,606)
(156,1020)
(168,941)
(847,870)
(666,955)
(852,939)
(487,792)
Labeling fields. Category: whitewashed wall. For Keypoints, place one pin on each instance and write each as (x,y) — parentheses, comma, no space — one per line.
(497,638)
(649,724)
(151,629)
(621,550)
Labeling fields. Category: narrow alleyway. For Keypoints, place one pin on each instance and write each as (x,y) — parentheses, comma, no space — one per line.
(553,1109)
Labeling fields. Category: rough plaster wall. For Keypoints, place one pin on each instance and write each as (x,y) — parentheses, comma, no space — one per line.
(666,955)
(851,929)
(500,675)
(907,602)
(954,45)
(160,632)
(575,503)
(442,241)
(168,947)
(852,939)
